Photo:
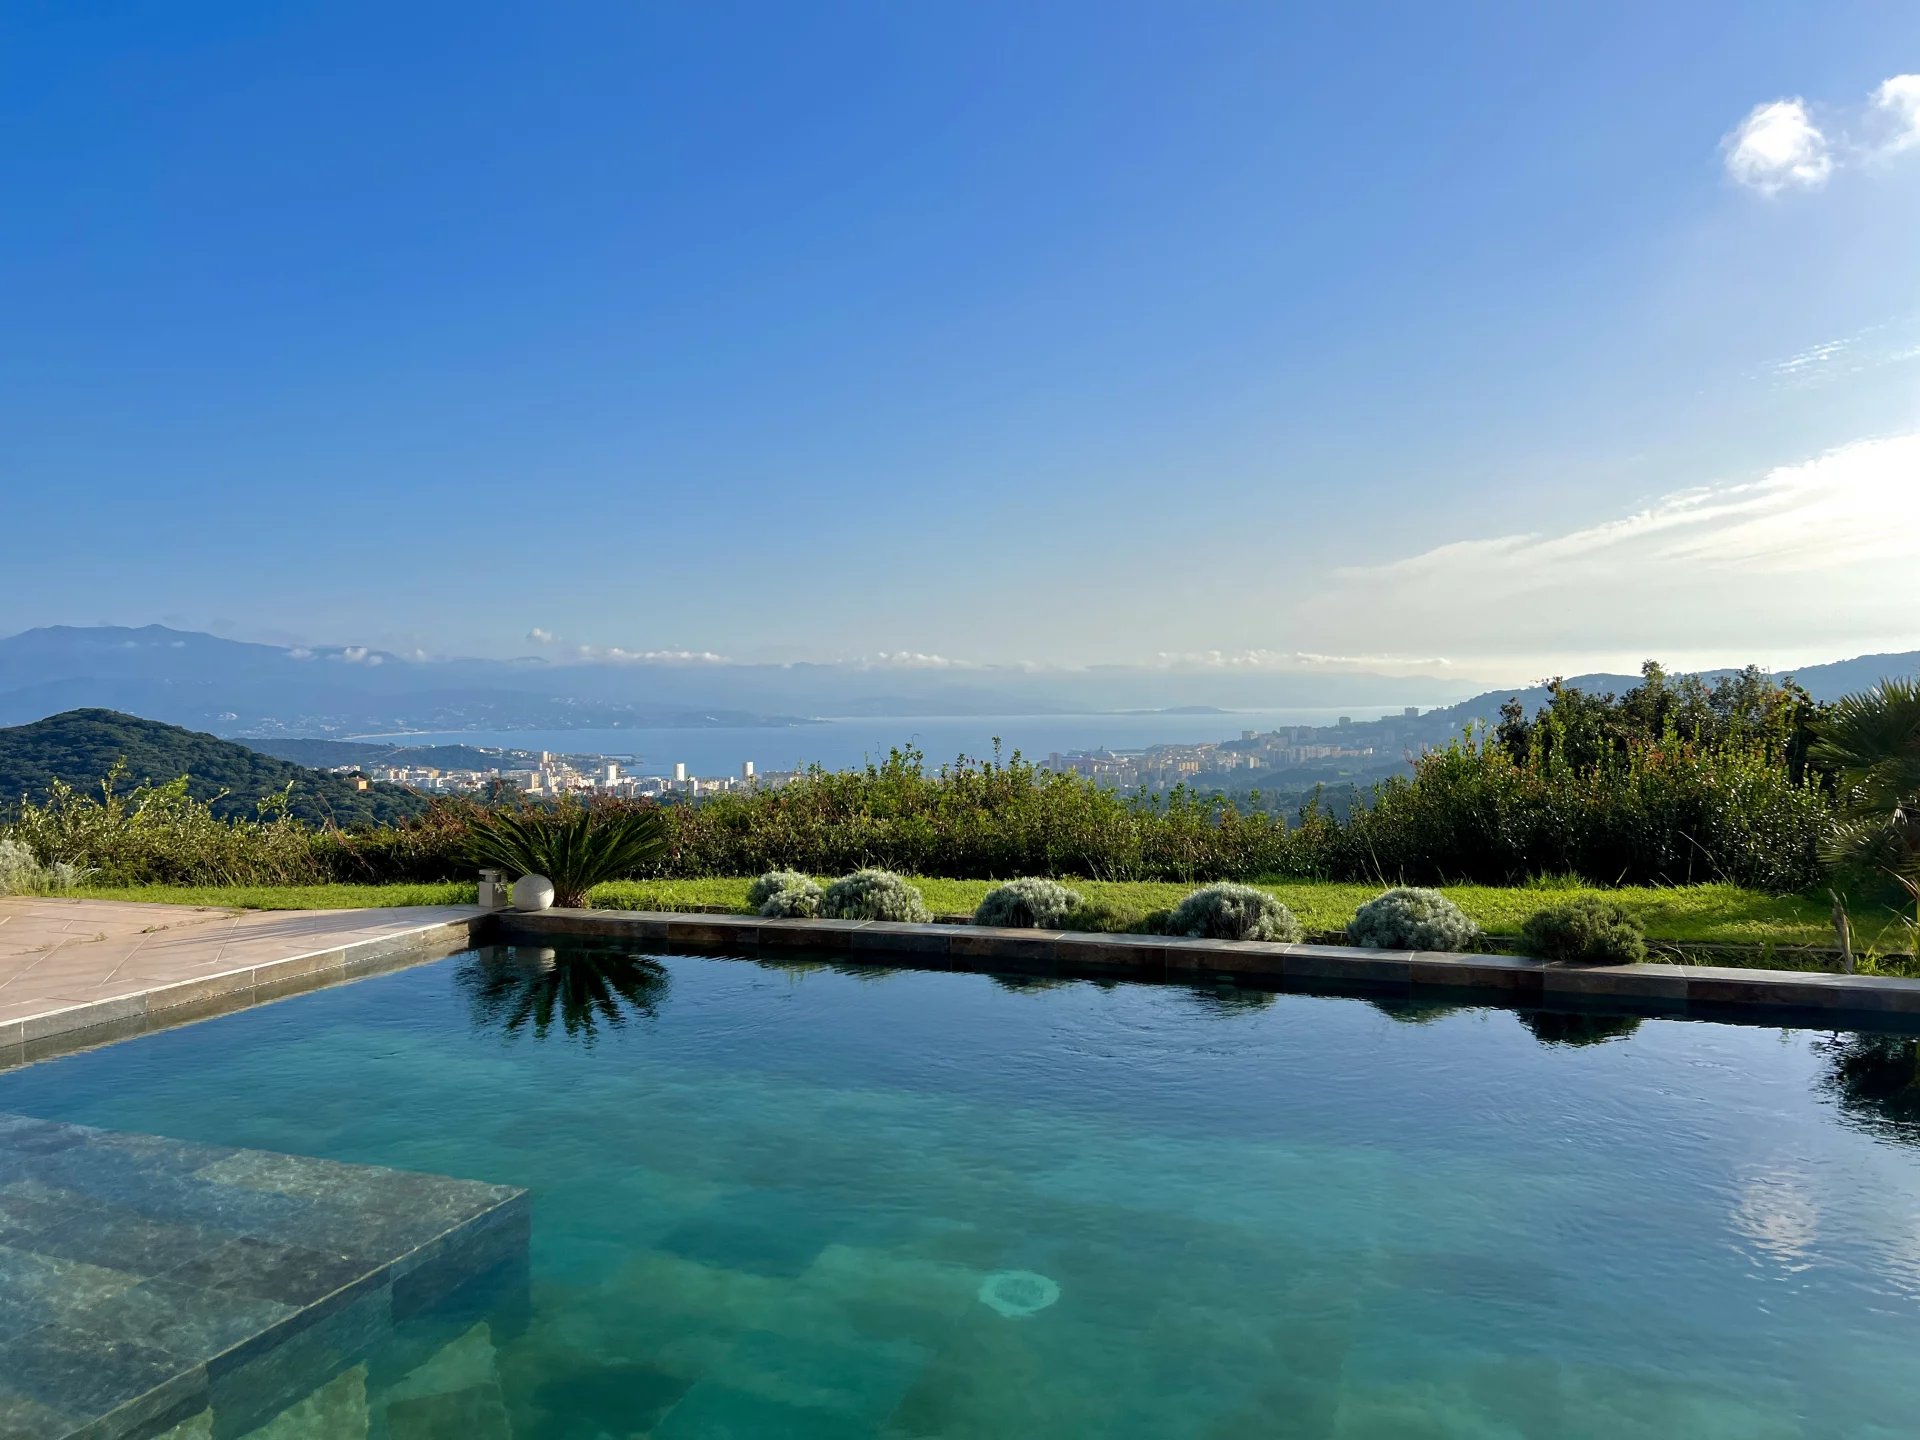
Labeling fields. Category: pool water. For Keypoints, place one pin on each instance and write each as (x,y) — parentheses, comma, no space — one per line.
(801,1200)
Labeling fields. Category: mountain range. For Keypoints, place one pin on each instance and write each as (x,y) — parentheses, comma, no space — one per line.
(239,688)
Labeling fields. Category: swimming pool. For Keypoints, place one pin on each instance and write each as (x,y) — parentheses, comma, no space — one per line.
(795,1199)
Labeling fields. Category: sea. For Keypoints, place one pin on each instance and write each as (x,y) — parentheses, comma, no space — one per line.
(849,743)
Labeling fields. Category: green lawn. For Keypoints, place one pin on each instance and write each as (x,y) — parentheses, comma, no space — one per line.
(286,897)
(1696,914)
(1690,915)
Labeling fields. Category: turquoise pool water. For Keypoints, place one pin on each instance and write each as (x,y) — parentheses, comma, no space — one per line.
(797,1201)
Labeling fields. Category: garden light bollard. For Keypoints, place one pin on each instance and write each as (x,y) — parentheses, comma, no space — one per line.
(493,894)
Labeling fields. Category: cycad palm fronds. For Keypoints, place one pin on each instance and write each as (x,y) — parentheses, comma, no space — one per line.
(584,990)
(1873,741)
(575,847)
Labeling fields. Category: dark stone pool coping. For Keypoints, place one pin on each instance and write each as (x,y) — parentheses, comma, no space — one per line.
(1723,992)
(1765,996)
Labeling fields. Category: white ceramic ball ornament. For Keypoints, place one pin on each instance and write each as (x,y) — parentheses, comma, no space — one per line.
(532,892)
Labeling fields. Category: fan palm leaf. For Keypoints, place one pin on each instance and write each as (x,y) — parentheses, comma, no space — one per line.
(1872,742)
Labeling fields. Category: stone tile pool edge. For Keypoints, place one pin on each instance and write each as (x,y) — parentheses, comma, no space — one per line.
(1718,992)
(82,1025)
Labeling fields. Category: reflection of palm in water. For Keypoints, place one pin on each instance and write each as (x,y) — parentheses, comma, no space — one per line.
(517,986)
(1552,1027)
(1549,1027)
(1875,1082)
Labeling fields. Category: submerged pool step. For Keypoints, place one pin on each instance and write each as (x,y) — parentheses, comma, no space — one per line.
(152,1287)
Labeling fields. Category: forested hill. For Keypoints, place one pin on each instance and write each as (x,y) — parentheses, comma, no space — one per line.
(80,746)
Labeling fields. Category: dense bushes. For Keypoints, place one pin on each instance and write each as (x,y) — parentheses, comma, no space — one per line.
(1408,918)
(1029,903)
(1587,928)
(1232,912)
(1658,815)
(1470,813)
(1624,808)
(161,835)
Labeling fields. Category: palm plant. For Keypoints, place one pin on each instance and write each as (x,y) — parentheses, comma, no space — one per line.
(575,846)
(1872,742)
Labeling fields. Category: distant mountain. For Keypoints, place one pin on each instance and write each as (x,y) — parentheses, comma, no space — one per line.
(1849,677)
(235,687)
(80,747)
(240,689)
(339,691)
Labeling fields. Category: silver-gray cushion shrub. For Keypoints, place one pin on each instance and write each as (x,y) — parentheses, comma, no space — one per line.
(21,872)
(1225,911)
(874,895)
(1412,918)
(774,882)
(786,891)
(1029,903)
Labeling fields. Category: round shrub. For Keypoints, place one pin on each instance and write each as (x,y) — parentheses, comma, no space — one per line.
(1232,912)
(874,895)
(1588,929)
(797,900)
(1409,918)
(774,881)
(1031,903)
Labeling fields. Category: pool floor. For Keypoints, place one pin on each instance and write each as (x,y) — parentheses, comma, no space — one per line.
(799,1199)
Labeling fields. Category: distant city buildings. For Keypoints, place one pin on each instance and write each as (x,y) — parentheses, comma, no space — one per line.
(1343,747)
(1230,762)
(556,775)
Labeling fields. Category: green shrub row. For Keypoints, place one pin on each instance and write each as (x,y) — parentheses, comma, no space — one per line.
(1472,812)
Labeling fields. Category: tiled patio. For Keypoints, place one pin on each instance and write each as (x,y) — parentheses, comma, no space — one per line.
(74,965)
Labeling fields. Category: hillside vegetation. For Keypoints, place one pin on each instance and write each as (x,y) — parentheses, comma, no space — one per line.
(81,747)
(1717,791)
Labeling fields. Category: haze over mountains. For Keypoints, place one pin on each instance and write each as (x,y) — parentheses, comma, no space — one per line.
(234,687)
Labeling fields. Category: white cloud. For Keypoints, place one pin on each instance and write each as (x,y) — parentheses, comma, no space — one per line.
(300,652)
(1852,505)
(1778,146)
(539,636)
(615,655)
(360,655)
(1810,558)
(1813,359)
(1897,105)
(1891,342)
(1259,659)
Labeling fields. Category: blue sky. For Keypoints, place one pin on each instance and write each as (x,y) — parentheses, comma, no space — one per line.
(1214,335)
